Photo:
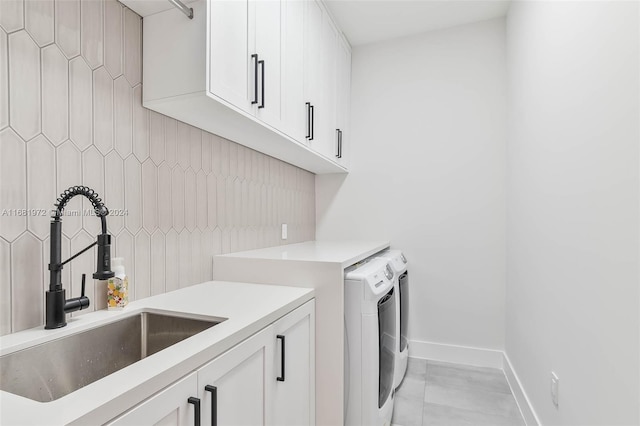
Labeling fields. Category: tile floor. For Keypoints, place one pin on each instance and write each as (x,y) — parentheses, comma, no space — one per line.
(442,394)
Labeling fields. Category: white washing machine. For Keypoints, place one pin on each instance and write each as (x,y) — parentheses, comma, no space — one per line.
(370,342)
(398,263)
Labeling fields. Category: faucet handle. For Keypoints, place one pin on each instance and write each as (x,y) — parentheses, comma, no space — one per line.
(77,303)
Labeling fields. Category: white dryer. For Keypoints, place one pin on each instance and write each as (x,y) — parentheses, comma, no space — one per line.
(398,263)
(370,322)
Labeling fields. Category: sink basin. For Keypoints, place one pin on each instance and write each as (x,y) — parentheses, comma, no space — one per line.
(54,369)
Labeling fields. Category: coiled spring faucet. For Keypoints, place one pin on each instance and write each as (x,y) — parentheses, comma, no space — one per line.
(57,305)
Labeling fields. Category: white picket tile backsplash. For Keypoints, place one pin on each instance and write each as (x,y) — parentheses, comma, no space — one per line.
(132,47)
(67,26)
(27,289)
(149,195)
(5,287)
(102,110)
(11,15)
(4,81)
(140,126)
(114,188)
(38,22)
(13,182)
(71,113)
(123,104)
(55,95)
(41,183)
(113,45)
(91,32)
(156,138)
(24,89)
(143,265)
(80,102)
(190,200)
(158,252)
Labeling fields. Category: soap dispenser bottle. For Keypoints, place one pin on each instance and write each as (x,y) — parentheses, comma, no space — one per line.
(118,286)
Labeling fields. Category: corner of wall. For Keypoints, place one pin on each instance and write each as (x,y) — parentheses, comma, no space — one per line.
(524,404)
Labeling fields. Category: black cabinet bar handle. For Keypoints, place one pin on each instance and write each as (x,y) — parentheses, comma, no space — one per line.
(313,119)
(214,404)
(262,88)
(255,78)
(196,406)
(339,143)
(282,362)
(308,105)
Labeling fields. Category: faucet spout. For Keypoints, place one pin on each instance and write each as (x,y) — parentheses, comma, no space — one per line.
(57,305)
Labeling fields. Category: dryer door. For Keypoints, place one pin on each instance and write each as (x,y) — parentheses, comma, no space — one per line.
(387,344)
(404,310)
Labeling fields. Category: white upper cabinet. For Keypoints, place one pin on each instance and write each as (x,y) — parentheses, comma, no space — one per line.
(244,56)
(312,67)
(294,110)
(262,73)
(229,51)
(265,18)
(322,80)
(326,114)
(343,103)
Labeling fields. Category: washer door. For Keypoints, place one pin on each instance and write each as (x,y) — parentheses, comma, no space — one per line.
(403,289)
(386,345)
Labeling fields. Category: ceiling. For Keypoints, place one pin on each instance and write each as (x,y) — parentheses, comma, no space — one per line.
(370,21)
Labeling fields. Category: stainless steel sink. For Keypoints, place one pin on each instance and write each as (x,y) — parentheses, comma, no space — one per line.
(54,369)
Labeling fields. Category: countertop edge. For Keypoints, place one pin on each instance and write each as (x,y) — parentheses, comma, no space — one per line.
(344,262)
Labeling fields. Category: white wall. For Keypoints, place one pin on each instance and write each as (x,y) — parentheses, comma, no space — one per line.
(573,216)
(427,172)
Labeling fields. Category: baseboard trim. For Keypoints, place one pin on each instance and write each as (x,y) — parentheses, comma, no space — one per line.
(479,357)
(528,413)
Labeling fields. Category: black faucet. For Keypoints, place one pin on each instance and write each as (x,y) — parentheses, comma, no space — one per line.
(57,305)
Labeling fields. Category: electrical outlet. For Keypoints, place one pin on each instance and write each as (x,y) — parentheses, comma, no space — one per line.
(555,382)
(284,231)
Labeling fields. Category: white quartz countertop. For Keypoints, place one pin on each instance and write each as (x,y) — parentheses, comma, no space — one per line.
(247,307)
(345,253)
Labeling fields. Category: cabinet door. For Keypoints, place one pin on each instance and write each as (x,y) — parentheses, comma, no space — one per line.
(294,368)
(293,102)
(267,30)
(228,49)
(167,408)
(326,113)
(343,100)
(312,68)
(327,119)
(239,377)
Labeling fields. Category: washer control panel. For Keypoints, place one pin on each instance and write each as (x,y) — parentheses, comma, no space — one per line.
(388,272)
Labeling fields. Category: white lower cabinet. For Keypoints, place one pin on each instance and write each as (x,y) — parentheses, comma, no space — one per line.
(168,407)
(268,379)
(233,387)
(293,401)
